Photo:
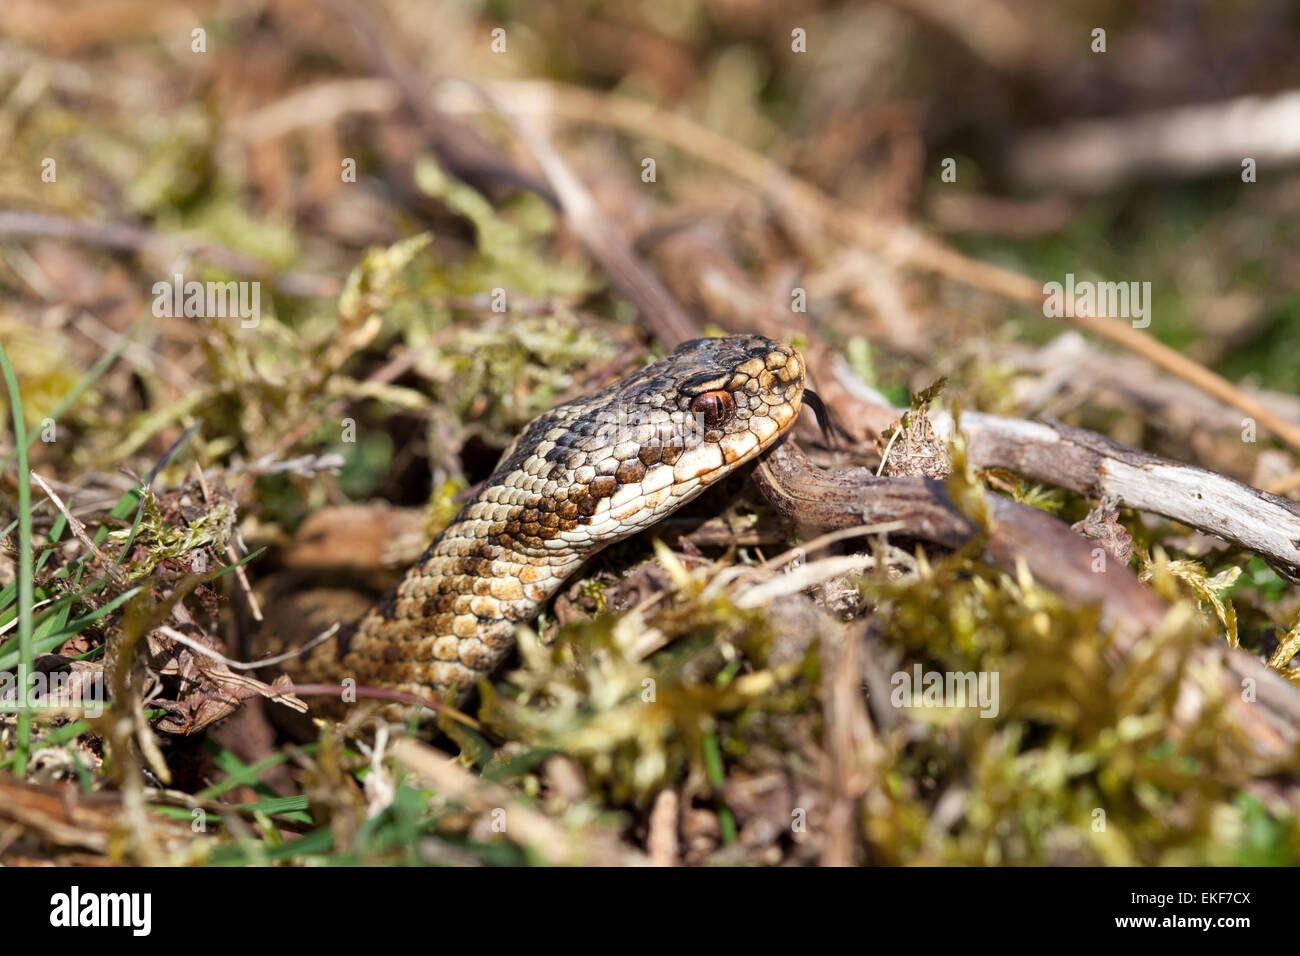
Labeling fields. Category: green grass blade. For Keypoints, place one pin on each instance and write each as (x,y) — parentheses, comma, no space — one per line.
(240,774)
(23,737)
(280,805)
(75,627)
(60,605)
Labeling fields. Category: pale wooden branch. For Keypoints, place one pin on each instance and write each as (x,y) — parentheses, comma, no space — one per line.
(1094,465)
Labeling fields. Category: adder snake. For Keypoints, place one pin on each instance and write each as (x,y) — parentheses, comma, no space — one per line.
(579,478)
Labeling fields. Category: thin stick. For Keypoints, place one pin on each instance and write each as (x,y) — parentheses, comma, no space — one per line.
(585,219)
(829,538)
(79,531)
(194,645)
(814,572)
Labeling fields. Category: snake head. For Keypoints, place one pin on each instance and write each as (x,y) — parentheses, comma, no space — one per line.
(663,434)
(604,466)
(735,396)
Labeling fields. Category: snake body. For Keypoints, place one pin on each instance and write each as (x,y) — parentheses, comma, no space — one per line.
(580,477)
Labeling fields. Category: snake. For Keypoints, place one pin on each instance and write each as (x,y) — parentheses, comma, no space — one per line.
(585,474)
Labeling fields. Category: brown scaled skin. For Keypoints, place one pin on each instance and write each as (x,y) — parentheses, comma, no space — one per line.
(579,478)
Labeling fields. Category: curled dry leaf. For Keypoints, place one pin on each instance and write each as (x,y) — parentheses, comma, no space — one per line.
(1102,525)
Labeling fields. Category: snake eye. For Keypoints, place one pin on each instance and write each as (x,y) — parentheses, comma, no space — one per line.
(713,408)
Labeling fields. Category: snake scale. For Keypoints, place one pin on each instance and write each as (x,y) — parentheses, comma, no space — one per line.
(577,479)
